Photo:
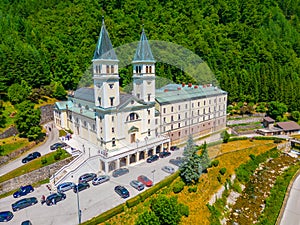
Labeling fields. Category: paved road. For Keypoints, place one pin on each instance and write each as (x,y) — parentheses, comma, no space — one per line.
(43,149)
(291,215)
(93,201)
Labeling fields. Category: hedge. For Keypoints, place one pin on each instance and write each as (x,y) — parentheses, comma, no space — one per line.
(106,215)
(133,201)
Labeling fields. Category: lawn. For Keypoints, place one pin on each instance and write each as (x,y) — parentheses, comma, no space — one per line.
(230,156)
(13,143)
(34,165)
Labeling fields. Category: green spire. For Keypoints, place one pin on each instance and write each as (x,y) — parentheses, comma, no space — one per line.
(143,52)
(104,48)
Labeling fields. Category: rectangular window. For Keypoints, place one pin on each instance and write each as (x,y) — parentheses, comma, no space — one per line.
(198,104)
(164,119)
(178,116)
(179,107)
(148,121)
(179,134)
(172,109)
(164,110)
(155,121)
(111,101)
(186,106)
(148,112)
(112,119)
(149,96)
(113,130)
(178,125)
(149,133)
(172,119)
(172,127)
(192,105)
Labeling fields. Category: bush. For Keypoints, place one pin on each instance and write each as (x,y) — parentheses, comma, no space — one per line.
(178,187)
(215,163)
(184,210)
(58,154)
(222,171)
(133,201)
(192,189)
(44,160)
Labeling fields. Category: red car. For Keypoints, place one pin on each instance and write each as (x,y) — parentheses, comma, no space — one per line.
(145,180)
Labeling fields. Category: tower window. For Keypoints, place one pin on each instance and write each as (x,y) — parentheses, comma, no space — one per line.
(150,69)
(138,95)
(146,69)
(99,100)
(107,69)
(111,86)
(149,96)
(111,101)
(112,69)
(113,130)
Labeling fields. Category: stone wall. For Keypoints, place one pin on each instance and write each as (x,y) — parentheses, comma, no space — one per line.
(33,177)
(11,131)
(16,153)
(46,113)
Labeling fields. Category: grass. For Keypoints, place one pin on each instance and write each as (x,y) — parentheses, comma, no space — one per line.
(13,143)
(33,165)
(237,152)
(9,109)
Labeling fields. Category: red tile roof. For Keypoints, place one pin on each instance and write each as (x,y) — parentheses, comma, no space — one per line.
(269,119)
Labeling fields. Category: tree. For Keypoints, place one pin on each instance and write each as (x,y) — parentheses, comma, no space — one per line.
(59,91)
(225,135)
(295,116)
(276,109)
(28,121)
(18,93)
(166,209)
(190,169)
(204,158)
(147,218)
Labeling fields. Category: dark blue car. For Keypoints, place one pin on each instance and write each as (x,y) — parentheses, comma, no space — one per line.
(6,216)
(23,203)
(24,190)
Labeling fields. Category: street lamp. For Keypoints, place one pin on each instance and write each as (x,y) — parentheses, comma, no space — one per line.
(153,171)
(78,208)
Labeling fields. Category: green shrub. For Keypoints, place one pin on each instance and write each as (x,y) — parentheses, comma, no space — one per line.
(184,210)
(178,187)
(192,189)
(44,160)
(133,201)
(58,154)
(215,163)
(237,139)
(222,171)
(237,187)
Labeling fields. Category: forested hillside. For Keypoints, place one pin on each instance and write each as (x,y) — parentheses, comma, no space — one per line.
(253,47)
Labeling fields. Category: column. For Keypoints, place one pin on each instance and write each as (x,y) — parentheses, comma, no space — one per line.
(127,160)
(117,163)
(106,167)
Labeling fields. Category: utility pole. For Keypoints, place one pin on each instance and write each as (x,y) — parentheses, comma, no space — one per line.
(78,208)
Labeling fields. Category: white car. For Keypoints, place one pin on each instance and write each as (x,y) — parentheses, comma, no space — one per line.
(168,169)
(101,179)
(65,186)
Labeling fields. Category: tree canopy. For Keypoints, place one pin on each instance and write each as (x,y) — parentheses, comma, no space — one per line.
(252,47)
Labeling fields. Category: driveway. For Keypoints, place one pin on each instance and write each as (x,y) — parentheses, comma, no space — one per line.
(43,149)
(93,201)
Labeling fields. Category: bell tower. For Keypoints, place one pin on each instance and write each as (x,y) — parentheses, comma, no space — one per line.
(144,71)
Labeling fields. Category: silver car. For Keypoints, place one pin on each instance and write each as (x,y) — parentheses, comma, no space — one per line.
(168,169)
(137,185)
(65,186)
(101,179)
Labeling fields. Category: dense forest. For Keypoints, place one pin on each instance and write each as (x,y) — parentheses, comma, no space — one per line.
(252,47)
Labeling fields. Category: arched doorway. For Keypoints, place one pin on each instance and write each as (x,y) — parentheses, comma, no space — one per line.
(158,149)
(111,166)
(150,152)
(132,158)
(123,162)
(142,155)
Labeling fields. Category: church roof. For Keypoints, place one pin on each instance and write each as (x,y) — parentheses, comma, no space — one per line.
(104,48)
(143,52)
(86,94)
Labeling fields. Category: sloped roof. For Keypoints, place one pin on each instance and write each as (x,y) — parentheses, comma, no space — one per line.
(288,126)
(269,119)
(104,48)
(63,105)
(86,94)
(143,52)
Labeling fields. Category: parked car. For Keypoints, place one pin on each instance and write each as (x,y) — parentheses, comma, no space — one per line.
(6,216)
(80,187)
(23,203)
(24,190)
(174,148)
(31,156)
(54,198)
(145,180)
(101,179)
(164,154)
(122,191)
(65,186)
(168,169)
(87,177)
(152,158)
(26,222)
(177,162)
(120,172)
(57,145)
(137,185)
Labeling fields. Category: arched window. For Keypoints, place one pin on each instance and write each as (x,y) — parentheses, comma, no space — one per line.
(113,142)
(150,69)
(132,117)
(107,69)
(146,69)
(112,69)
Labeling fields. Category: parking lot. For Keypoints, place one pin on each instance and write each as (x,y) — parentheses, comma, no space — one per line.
(93,201)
